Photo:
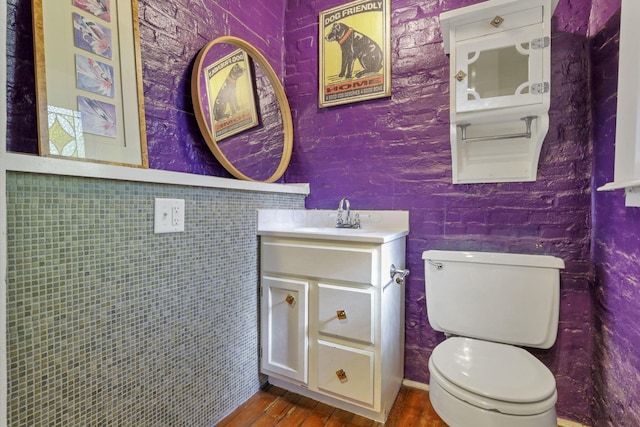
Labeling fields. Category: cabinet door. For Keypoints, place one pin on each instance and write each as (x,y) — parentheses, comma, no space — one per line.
(499,70)
(284,333)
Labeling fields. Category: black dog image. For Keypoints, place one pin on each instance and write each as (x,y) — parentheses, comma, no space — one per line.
(355,45)
(227,94)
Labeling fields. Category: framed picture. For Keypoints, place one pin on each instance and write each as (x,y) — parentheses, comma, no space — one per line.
(230,92)
(355,55)
(89,81)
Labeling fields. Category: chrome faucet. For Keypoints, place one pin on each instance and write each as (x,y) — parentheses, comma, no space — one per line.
(346,222)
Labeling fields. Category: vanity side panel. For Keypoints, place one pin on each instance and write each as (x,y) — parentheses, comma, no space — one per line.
(392,323)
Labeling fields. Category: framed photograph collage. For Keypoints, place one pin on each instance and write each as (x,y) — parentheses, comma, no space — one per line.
(87,59)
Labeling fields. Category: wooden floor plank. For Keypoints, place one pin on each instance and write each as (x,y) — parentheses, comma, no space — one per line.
(339,418)
(251,410)
(274,406)
(411,408)
(319,415)
(279,410)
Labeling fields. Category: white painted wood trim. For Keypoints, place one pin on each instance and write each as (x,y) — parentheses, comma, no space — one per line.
(3,221)
(566,423)
(619,185)
(626,172)
(55,166)
(415,384)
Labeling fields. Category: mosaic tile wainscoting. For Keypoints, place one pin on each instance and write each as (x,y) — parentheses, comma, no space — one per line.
(110,324)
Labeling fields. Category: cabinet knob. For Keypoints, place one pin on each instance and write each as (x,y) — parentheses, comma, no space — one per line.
(342,375)
(497,21)
(290,299)
(460,76)
(342,315)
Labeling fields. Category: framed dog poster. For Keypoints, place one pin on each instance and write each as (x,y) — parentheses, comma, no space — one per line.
(229,84)
(355,54)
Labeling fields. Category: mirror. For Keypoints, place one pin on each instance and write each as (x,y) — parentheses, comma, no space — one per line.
(242,110)
(498,72)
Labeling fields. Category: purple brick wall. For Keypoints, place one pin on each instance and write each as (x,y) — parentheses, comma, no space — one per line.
(171,34)
(616,245)
(394,154)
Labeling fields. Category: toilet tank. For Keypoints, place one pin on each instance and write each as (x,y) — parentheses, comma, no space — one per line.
(508,298)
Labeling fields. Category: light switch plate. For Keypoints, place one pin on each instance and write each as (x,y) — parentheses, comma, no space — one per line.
(168,216)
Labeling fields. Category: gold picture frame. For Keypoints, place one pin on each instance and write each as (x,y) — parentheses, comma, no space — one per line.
(89,81)
(355,55)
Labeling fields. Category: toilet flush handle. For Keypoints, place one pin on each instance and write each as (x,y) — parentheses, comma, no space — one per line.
(398,274)
(437,265)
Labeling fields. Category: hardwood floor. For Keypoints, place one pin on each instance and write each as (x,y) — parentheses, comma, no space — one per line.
(274,406)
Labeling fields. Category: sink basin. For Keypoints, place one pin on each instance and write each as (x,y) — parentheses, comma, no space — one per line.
(377,226)
(332,230)
(337,234)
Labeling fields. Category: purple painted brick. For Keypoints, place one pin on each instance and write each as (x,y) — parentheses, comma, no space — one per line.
(394,154)
(616,360)
(410,168)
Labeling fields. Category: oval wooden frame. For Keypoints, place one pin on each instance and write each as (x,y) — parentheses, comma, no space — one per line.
(280,96)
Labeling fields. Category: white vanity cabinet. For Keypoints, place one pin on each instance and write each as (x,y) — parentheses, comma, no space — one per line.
(333,320)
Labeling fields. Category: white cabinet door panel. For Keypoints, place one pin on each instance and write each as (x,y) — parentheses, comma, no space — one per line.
(284,327)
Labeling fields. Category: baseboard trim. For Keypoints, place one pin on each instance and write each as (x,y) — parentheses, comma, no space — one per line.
(415,384)
(567,423)
(422,386)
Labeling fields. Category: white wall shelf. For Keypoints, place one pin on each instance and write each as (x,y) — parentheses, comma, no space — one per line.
(55,166)
(627,160)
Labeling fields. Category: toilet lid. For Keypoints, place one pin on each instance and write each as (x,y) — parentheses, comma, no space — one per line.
(497,371)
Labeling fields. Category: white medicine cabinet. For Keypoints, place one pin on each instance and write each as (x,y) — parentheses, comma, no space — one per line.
(627,159)
(500,88)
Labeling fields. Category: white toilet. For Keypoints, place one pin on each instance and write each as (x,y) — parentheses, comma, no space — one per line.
(489,303)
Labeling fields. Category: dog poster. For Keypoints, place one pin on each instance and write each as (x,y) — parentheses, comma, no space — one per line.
(355,56)
(232,104)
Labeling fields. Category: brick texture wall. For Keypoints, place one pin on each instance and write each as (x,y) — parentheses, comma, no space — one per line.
(171,34)
(616,246)
(394,154)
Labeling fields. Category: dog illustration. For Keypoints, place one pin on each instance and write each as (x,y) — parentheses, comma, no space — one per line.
(227,95)
(355,45)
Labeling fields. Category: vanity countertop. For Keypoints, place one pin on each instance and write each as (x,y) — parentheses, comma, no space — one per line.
(376,226)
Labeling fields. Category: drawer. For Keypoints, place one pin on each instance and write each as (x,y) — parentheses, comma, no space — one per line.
(322,261)
(511,21)
(345,312)
(357,367)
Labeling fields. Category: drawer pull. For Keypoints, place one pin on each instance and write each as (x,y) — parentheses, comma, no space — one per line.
(342,315)
(342,375)
(290,299)
(497,21)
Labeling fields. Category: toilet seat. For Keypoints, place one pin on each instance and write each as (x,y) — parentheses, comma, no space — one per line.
(493,376)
